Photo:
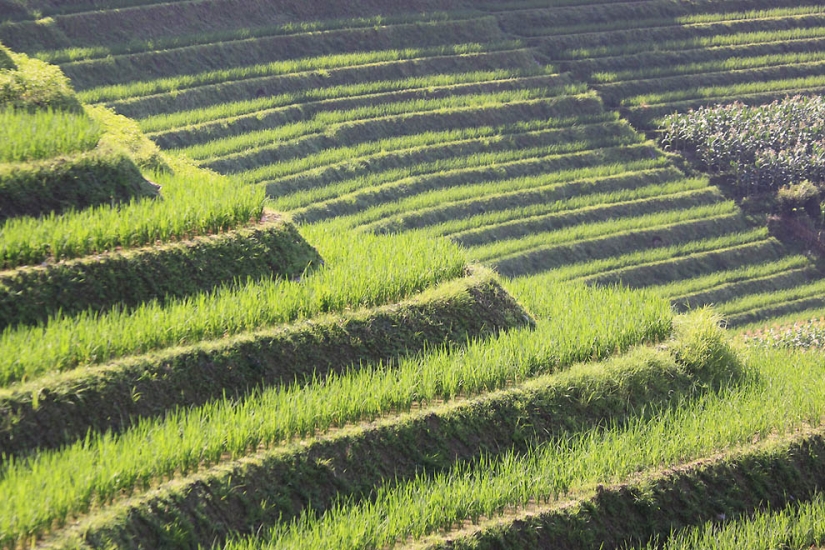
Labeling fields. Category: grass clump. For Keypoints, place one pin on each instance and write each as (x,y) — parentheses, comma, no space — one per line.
(33,84)
(701,343)
(43,134)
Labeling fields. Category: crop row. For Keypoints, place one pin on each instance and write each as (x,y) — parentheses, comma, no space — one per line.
(195,202)
(393,268)
(354,460)
(195,60)
(46,133)
(351,197)
(711,423)
(620,19)
(421,159)
(30,295)
(799,525)
(60,409)
(507,245)
(226,34)
(328,120)
(478,219)
(81,475)
(233,111)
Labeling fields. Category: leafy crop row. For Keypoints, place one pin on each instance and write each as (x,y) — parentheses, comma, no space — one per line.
(575,324)
(370,271)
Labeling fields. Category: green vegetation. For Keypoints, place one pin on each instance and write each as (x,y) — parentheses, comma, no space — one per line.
(155,448)
(180,368)
(758,147)
(369,271)
(30,295)
(797,526)
(43,134)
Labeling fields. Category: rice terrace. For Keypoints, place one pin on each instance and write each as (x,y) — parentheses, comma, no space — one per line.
(418,274)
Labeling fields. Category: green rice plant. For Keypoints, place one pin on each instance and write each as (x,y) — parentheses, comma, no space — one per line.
(195,202)
(461,219)
(744,239)
(324,120)
(46,133)
(576,324)
(508,247)
(783,85)
(737,63)
(300,155)
(773,401)
(566,213)
(483,168)
(702,283)
(578,181)
(765,299)
(326,62)
(798,525)
(181,41)
(259,107)
(359,272)
(652,16)
(666,43)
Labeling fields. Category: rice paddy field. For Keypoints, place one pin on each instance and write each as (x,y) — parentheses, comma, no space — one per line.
(398,275)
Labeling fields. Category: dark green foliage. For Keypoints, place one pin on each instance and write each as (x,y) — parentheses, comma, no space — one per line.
(66,406)
(757,148)
(66,183)
(31,294)
(276,486)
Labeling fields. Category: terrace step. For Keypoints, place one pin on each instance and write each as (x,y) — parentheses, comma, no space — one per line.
(126,278)
(210,57)
(359,201)
(62,408)
(730,291)
(544,258)
(593,214)
(682,268)
(410,125)
(234,90)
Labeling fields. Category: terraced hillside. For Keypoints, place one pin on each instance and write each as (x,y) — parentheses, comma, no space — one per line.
(182,366)
(496,125)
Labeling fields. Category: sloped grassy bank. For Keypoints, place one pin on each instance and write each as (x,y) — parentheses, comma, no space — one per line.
(61,408)
(351,463)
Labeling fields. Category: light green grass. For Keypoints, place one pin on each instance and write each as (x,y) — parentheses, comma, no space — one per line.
(323,120)
(704,67)
(228,112)
(658,255)
(359,271)
(698,284)
(582,180)
(576,323)
(799,525)
(775,401)
(509,247)
(731,39)
(195,202)
(323,63)
(715,92)
(42,134)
